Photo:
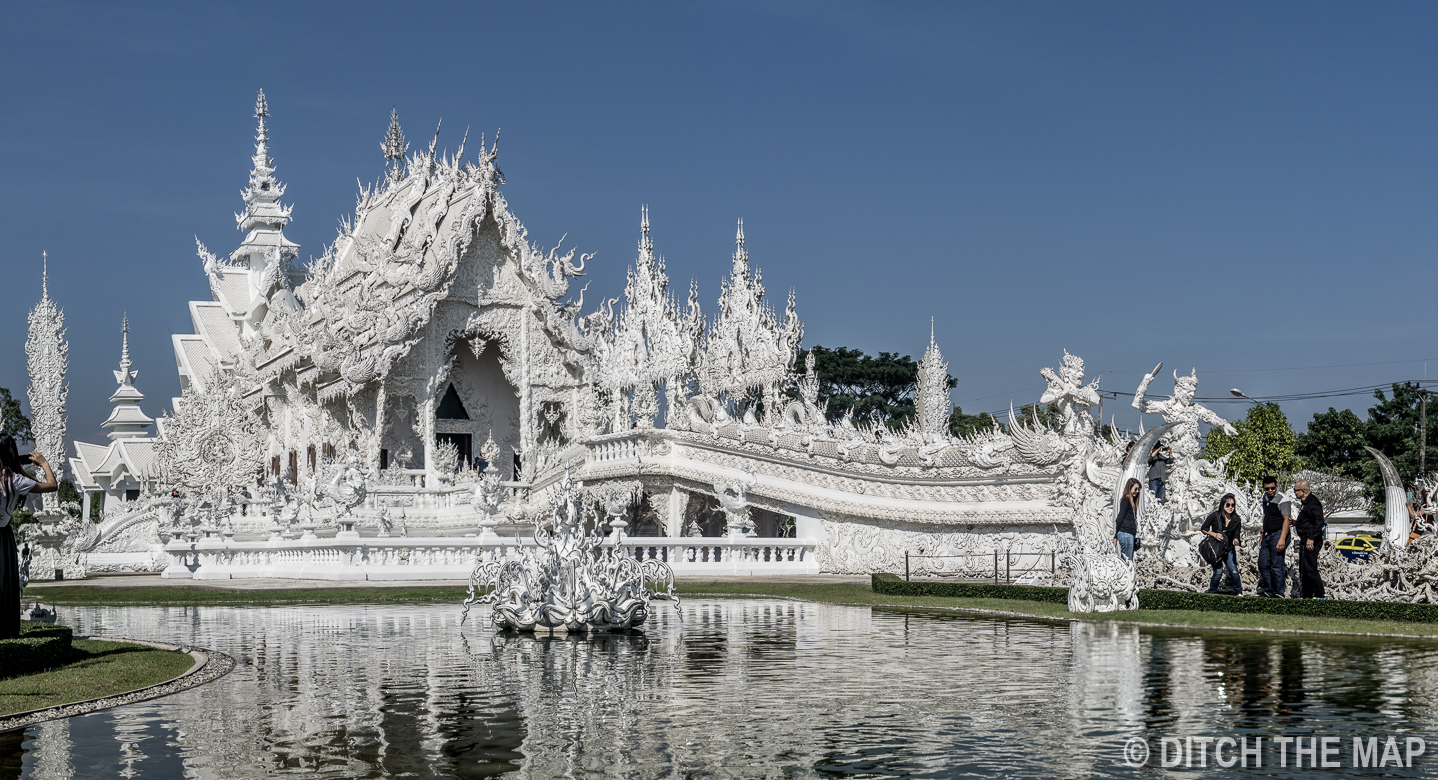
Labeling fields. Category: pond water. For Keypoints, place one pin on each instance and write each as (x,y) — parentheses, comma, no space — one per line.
(729,688)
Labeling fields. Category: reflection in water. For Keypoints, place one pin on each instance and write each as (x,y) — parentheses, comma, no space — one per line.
(730,688)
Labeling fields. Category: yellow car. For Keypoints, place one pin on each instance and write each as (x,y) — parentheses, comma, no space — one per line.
(1357,546)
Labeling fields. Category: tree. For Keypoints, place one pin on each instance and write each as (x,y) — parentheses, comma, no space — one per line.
(881,386)
(12,420)
(1334,442)
(1263,445)
(961,424)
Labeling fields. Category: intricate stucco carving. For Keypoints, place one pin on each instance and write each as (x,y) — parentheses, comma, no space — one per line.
(211,446)
(746,347)
(568,580)
(47,357)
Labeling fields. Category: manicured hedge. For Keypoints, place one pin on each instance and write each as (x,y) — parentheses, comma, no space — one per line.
(1328,608)
(892,585)
(39,647)
(1172,599)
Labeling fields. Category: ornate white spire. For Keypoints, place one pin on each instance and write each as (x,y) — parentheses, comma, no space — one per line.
(126,421)
(741,255)
(47,356)
(394,146)
(747,347)
(653,340)
(264,252)
(932,397)
(262,207)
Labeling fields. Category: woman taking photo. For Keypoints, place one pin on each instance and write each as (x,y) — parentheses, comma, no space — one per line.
(14,486)
(1224,527)
(1125,526)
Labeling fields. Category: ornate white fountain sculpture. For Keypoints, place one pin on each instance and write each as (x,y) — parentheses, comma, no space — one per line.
(570,579)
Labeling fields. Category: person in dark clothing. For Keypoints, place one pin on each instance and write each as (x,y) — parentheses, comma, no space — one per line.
(14,486)
(1308,525)
(1158,462)
(1277,519)
(1224,525)
(1125,525)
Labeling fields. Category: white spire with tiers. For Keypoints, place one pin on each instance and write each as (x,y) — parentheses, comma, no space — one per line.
(127,421)
(264,252)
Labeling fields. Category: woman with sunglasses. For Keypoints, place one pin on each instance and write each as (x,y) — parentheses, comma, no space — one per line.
(1225,526)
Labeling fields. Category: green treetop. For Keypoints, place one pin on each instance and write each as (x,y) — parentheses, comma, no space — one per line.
(1263,445)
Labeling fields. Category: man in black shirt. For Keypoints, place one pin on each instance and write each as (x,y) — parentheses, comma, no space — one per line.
(1277,517)
(1309,528)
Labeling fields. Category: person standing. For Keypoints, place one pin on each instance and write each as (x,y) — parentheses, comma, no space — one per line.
(1125,526)
(1277,518)
(1224,525)
(14,486)
(1308,525)
(1158,462)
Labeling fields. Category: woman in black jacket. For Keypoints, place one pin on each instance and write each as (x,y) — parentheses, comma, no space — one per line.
(1224,526)
(1125,526)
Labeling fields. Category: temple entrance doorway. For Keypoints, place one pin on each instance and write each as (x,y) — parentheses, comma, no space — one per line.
(478,402)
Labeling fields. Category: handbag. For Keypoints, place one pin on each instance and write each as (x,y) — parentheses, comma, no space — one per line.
(1212,551)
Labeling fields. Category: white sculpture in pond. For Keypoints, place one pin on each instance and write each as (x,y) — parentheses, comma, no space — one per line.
(570,579)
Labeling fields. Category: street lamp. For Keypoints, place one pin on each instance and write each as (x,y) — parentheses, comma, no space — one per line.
(1240,394)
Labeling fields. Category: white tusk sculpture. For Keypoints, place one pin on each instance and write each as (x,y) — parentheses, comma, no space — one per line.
(1395,515)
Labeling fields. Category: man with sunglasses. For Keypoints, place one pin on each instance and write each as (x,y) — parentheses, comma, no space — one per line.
(1309,528)
(1277,517)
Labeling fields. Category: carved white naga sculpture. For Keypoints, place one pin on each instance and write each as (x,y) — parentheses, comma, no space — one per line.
(570,579)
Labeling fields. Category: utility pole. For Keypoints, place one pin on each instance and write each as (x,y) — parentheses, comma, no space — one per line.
(1422,434)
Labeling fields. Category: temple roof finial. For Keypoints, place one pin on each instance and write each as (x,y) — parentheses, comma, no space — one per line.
(125,342)
(646,244)
(44,275)
(394,146)
(262,207)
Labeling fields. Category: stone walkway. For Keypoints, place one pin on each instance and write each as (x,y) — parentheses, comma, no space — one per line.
(155,580)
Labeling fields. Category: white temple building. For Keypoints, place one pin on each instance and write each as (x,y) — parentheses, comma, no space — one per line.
(332,414)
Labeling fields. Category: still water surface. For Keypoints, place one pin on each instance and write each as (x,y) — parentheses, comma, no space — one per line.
(726,688)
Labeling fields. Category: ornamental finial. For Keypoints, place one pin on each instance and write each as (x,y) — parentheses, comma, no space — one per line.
(44,275)
(646,244)
(125,341)
(262,109)
(739,235)
(394,145)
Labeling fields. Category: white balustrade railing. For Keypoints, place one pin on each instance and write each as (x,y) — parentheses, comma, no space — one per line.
(452,558)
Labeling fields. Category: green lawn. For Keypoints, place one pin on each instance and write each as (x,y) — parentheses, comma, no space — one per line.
(103,669)
(199,594)
(859,593)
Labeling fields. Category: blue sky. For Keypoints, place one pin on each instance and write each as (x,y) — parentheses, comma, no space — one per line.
(1234,187)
